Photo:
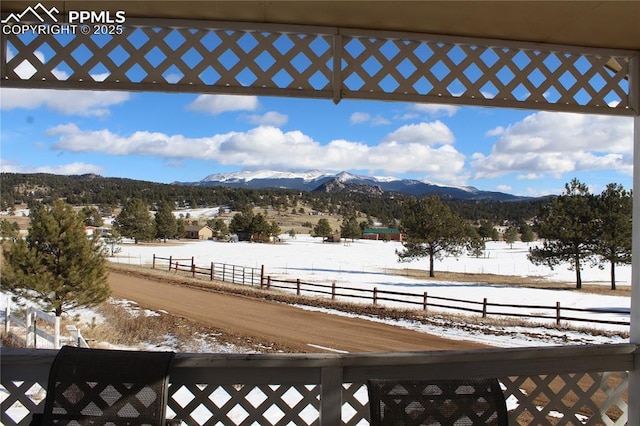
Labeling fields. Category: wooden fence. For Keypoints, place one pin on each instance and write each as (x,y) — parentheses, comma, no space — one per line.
(253,276)
(215,271)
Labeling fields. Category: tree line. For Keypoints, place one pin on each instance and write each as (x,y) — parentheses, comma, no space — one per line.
(61,268)
(577,228)
(109,194)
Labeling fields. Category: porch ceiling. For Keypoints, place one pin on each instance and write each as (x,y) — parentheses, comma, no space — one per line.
(603,24)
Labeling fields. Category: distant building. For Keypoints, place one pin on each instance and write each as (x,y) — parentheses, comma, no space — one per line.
(197,232)
(389,234)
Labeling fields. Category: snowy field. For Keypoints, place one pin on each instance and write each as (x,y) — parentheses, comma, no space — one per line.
(368,264)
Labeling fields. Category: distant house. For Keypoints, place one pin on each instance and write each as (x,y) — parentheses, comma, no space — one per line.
(197,232)
(388,234)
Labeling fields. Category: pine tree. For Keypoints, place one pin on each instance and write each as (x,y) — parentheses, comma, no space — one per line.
(615,209)
(322,229)
(134,221)
(350,228)
(165,222)
(510,236)
(431,230)
(569,226)
(57,265)
(526,233)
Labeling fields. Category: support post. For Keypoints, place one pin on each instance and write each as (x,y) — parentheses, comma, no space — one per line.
(634,334)
(298,287)
(331,396)
(484,308)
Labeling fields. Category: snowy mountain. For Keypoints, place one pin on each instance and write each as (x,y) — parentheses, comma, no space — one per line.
(315,180)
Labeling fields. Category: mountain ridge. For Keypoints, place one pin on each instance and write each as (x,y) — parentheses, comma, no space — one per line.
(317,180)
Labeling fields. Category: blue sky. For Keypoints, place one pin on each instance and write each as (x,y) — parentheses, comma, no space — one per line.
(186,137)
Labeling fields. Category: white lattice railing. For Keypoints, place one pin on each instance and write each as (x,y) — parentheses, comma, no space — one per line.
(324,62)
(564,385)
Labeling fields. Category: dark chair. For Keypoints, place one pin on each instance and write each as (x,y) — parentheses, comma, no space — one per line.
(460,402)
(107,387)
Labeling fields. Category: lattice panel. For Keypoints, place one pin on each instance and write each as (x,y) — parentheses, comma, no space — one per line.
(355,404)
(245,404)
(437,69)
(335,64)
(19,400)
(568,399)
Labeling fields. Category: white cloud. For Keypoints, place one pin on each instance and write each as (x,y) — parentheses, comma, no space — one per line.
(217,104)
(504,188)
(436,110)
(70,102)
(270,118)
(557,143)
(423,148)
(63,169)
(363,117)
(359,117)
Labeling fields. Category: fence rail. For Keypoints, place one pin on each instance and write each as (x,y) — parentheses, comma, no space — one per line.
(253,276)
(225,272)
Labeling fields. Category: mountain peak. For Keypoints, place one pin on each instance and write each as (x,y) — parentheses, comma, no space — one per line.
(345,181)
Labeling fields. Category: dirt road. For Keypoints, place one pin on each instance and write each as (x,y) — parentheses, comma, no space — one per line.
(266,321)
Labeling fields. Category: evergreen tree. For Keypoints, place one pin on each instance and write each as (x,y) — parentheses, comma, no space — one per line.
(614,209)
(57,265)
(322,229)
(350,228)
(475,243)
(569,226)
(510,236)
(9,230)
(134,221)
(526,233)
(91,216)
(431,230)
(165,222)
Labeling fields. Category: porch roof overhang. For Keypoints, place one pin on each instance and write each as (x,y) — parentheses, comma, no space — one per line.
(600,24)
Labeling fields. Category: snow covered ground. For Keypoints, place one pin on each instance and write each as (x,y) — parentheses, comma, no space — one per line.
(367,264)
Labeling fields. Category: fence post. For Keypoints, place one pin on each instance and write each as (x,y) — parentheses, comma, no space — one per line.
(56,333)
(224,270)
(243,268)
(269,282)
(261,275)
(153,265)
(484,308)
(375,295)
(557,313)
(170,260)
(424,301)
(333,290)
(193,264)
(211,272)
(7,317)
(193,270)
(29,326)
(298,286)
(35,330)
